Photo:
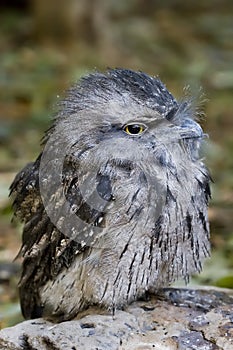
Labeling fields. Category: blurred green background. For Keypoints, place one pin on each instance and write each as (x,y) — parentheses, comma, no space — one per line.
(47,45)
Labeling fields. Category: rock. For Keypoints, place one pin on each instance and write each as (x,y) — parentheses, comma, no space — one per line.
(175,319)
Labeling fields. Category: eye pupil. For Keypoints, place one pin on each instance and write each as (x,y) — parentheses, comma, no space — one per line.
(134,129)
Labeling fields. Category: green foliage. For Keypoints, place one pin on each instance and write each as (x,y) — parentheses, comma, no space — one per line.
(225,282)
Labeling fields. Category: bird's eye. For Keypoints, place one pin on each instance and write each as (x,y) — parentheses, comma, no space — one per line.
(134,129)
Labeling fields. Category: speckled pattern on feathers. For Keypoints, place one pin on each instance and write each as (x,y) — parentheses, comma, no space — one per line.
(148,225)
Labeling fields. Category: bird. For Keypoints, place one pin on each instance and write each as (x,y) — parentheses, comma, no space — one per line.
(115,206)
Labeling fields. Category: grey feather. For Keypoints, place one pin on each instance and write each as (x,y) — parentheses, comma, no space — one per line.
(110,216)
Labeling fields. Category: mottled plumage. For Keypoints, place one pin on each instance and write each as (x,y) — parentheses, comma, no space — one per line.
(115,206)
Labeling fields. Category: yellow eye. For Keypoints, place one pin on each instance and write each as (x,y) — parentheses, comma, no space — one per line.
(134,129)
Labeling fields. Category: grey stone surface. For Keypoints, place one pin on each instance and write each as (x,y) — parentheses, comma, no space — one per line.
(176,319)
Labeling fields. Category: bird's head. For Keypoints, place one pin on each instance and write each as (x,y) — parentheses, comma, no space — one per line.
(124,114)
